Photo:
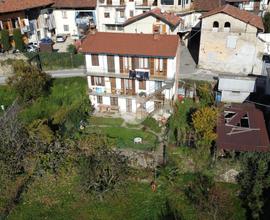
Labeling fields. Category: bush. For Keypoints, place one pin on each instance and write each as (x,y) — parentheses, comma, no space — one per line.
(28,82)
(152,124)
(18,38)
(205,93)
(71,49)
(5,40)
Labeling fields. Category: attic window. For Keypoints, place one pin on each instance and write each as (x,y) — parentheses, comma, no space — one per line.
(244,121)
(227,26)
(215,26)
(228,115)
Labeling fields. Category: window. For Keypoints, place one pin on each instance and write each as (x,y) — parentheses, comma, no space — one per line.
(106,14)
(64,14)
(215,24)
(167,2)
(131,13)
(122,13)
(114,101)
(99,99)
(227,26)
(97,81)
(186,2)
(110,27)
(142,85)
(122,2)
(109,2)
(95,61)
(66,27)
(231,42)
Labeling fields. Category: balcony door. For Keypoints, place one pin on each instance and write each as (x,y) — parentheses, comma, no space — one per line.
(110,63)
(113,85)
(128,86)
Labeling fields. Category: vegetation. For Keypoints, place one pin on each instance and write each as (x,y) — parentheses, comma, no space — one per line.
(152,124)
(18,39)
(55,61)
(28,82)
(5,41)
(72,49)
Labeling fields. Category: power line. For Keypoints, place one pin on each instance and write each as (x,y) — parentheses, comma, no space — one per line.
(257,103)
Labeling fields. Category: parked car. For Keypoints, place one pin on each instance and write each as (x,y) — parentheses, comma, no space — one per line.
(60,38)
(34,44)
(31,48)
(77,36)
(46,40)
(15,51)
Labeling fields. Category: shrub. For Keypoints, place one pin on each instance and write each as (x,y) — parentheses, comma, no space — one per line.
(28,82)
(71,49)
(152,124)
(5,39)
(18,38)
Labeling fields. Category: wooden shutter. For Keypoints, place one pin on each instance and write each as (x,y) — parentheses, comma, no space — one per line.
(102,81)
(92,80)
(121,64)
(95,61)
(152,66)
(133,87)
(135,63)
(123,85)
(142,85)
(113,82)
(110,62)
(163,28)
(165,66)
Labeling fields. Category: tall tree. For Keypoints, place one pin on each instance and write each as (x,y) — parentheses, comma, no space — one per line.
(254,181)
(5,41)
(18,39)
(28,81)
(266,22)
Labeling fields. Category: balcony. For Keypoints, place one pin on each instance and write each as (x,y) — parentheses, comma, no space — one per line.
(126,76)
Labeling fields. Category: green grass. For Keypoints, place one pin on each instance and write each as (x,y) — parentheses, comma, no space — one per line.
(65,93)
(105,121)
(7,96)
(152,124)
(124,137)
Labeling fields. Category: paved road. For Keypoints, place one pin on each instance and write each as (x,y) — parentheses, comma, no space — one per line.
(56,74)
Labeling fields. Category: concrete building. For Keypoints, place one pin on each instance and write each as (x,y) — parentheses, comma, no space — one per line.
(229,41)
(34,18)
(175,5)
(74,17)
(132,73)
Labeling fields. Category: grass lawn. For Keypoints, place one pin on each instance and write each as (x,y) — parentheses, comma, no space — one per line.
(7,96)
(105,121)
(124,137)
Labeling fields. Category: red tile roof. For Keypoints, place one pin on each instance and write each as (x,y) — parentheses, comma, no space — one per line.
(233,136)
(131,44)
(241,15)
(169,18)
(75,3)
(19,5)
(207,5)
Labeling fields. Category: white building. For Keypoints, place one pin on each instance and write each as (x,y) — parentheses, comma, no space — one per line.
(175,5)
(153,21)
(131,72)
(235,89)
(74,17)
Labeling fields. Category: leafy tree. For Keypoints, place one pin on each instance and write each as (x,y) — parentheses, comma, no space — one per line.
(71,49)
(102,168)
(204,121)
(18,39)
(266,22)
(5,39)
(254,181)
(205,93)
(29,82)
(14,142)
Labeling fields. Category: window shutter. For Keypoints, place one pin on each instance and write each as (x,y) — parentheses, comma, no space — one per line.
(152,66)
(165,66)
(121,64)
(92,80)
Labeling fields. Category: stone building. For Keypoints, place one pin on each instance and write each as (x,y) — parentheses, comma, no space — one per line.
(229,41)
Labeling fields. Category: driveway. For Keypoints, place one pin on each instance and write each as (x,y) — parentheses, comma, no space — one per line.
(62,47)
(188,68)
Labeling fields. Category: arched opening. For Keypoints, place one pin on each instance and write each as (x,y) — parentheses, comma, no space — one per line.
(227,26)
(215,24)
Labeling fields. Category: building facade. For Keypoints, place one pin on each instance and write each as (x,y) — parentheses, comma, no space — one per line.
(128,73)
(229,41)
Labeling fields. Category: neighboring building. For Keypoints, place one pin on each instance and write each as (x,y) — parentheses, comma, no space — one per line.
(33,18)
(175,5)
(229,41)
(153,21)
(235,89)
(131,72)
(255,6)
(113,13)
(241,128)
(74,17)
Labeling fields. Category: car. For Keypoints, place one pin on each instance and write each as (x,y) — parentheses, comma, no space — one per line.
(46,40)
(31,48)
(60,38)
(34,44)
(77,36)
(15,51)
